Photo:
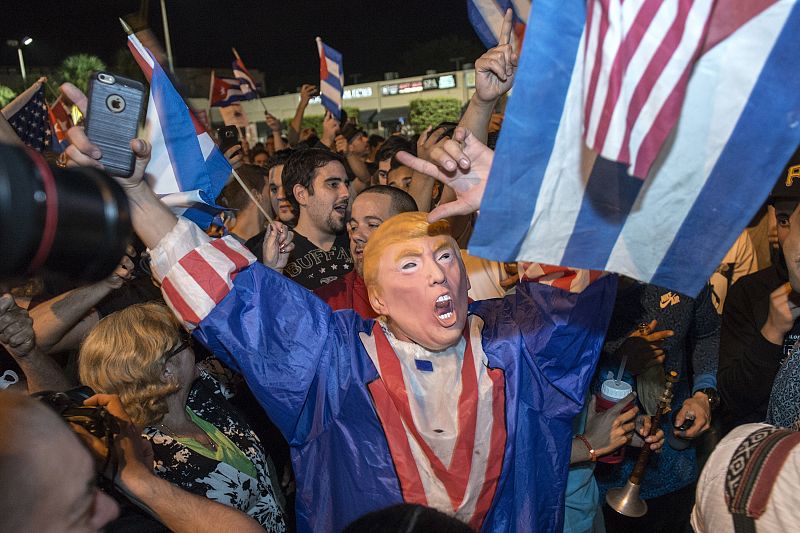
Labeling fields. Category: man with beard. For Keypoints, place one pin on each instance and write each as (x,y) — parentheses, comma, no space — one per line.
(371,208)
(465,409)
(315,184)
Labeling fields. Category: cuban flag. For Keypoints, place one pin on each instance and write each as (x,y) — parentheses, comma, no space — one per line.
(247,84)
(331,78)
(486,17)
(709,89)
(225,91)
(186,168)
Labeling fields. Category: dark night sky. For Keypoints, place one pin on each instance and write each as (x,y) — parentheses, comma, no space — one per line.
(276,37)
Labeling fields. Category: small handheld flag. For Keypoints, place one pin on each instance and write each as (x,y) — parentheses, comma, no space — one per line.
(247,84)
(186,167)
(331,78)
(225,91)
(27,114)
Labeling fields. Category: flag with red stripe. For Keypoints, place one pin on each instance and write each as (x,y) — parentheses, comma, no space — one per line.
(635,133)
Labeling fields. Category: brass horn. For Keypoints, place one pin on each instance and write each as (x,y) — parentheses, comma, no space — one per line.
(626,500)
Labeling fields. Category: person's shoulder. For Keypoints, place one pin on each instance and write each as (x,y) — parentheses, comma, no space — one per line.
(759,283)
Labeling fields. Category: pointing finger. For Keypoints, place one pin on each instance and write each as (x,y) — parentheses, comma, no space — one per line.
(505,30)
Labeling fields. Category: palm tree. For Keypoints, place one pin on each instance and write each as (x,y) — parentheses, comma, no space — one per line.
(77,69)
(6,95)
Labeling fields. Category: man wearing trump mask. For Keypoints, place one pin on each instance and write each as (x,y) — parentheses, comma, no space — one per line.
(463,407)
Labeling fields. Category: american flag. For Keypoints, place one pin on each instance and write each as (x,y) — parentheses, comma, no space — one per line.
(638,57)
(29,117)
(691,107)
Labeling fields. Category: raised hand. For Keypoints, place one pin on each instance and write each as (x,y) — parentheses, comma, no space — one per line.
(330,125)
(462,163)
(234,156)
(783,311)
(16,327)
(277,246)
(643,348)
(123,272)
(341,144)
(82,153)
(307,91)
(273,123)
(495,70)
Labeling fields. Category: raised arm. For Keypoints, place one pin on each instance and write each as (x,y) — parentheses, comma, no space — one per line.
(61,322)
(494,76)
(17,336)
(306,92)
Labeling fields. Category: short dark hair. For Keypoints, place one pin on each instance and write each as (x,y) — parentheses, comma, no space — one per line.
(257,151)
(279,158)
(394,144)
(300,169)
(375,140)
(233,196)
(402,202)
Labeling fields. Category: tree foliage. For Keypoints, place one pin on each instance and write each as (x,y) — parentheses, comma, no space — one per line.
(432,111)
(6,95)
(76,69)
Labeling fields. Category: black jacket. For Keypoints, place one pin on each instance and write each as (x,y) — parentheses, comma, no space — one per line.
(747,361)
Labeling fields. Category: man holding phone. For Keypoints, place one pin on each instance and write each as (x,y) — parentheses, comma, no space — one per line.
(760,329)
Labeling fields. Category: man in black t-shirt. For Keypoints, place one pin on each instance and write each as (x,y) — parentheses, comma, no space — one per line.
(315,182)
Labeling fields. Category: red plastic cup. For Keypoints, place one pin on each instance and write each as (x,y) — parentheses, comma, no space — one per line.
(611,392)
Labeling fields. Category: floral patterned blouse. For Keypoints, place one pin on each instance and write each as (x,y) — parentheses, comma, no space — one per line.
(212,478)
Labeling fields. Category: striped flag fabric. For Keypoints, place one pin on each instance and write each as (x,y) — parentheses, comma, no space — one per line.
(734,130)
(186,169)
(225,91)
(27,114)
(486,17)
(247,84)
(331,78)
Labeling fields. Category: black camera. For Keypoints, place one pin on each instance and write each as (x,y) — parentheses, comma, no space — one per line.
(73,222)
(69,406)
(95,420)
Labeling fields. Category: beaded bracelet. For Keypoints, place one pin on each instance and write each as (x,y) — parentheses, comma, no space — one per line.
(592,453)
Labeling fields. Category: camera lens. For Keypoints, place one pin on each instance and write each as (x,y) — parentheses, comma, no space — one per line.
(69,221)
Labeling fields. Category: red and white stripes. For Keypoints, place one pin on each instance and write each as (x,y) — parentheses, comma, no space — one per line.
(197,280)
(638,57)
(565,278)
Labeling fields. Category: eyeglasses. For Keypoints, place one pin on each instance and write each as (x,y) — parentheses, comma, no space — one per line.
(182,345)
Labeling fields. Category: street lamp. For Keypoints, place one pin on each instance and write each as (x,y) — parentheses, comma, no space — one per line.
(25,41)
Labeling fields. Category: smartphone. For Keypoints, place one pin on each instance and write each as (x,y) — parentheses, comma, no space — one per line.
(116,107)
(227,136)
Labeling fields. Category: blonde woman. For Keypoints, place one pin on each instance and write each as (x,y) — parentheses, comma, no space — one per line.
(199,441)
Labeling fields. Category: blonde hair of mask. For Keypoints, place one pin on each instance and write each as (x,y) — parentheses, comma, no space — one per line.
(398,229)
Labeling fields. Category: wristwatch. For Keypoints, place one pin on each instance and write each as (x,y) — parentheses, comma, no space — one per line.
(713,397)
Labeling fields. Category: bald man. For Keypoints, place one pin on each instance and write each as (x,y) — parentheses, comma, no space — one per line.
(48,477)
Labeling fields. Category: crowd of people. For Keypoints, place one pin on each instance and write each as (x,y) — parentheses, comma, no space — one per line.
(331,358)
